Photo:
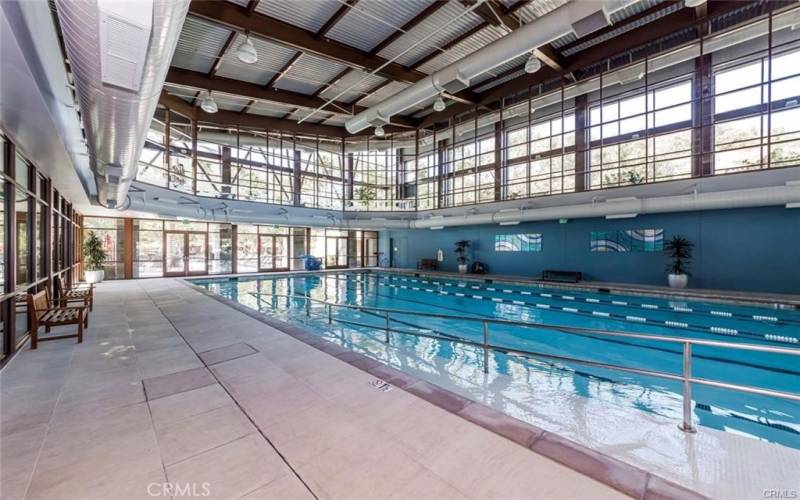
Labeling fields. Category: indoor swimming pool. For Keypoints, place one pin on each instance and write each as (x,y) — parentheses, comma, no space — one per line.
(437,326)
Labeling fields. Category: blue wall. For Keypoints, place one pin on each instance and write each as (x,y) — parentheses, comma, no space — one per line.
(744,249)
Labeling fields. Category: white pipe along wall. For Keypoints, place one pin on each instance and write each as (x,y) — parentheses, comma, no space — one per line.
(715,200)
(569,18)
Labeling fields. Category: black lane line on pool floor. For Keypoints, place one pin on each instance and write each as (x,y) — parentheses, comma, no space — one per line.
(713,330)
(602,338)
(576,298)
(770,319)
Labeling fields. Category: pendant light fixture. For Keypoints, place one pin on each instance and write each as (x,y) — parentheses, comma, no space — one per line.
(533,64)
(208,104)
(246,52)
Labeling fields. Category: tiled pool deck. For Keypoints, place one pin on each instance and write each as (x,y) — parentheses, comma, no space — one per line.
(172,389)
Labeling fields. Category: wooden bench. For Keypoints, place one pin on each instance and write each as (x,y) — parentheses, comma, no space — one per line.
(562,276)
(42,313)
(427,265)
(74,294)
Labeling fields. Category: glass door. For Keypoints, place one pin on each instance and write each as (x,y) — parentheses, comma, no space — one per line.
(185,253)
(335,251)
(196,245)
(273,253)
(175,254)
(281,253)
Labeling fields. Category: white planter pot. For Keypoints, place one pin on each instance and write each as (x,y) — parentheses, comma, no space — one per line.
(94,276)
(462,268)
(678,280)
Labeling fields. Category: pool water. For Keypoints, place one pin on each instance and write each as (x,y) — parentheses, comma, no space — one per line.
(761,417)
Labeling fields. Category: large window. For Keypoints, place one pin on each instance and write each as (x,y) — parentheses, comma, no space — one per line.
(642,137)
(756,113)
(724,104)
(469,172)
(112,235)
(541,157)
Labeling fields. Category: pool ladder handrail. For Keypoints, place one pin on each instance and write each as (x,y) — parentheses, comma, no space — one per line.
(686,376)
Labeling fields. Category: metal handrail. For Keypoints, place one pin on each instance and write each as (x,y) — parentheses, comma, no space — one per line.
(685,377)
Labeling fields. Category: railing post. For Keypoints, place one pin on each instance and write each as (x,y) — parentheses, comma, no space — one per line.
(330,319)
(387,327)
(687,425)
(485,347)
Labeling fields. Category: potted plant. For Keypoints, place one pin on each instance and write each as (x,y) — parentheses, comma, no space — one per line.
(94,256)
(461,252)
(679,250)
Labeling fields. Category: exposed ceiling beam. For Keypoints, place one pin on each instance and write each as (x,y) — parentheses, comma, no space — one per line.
(197,80)
(231,118)
(330,83)
(237,18)
(633,19)
(427,12)
(495,14)
(676,21)
(280,74)
(449,45)
(223,50)
(344,9)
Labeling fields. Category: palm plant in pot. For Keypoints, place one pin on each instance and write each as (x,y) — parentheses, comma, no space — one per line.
(679,250)
(461,252)
(94,256)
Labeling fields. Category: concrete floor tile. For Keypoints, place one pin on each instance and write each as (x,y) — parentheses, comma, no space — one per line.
(166,385)
(287,487)
(171,409)
(202,432)
(231,470)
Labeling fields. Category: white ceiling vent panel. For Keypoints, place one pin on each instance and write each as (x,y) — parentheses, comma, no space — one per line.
(124,39)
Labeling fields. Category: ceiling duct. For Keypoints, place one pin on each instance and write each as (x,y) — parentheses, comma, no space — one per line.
(580,18)
(119,54)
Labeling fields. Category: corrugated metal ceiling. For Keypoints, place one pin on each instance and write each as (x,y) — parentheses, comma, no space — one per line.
(199,44)
(364,26)
(271,59)
(307,14)
(369,22)
(309,73)
(360,82)
(443,26)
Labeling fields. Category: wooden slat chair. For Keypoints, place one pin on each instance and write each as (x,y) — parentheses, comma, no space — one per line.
(74,294)
(42,313)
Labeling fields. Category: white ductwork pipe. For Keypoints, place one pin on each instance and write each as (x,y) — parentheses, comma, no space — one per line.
(580,17)
(250,213)
(119,54)
(718,200)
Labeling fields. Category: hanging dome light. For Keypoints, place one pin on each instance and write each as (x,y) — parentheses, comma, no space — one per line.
(208,104)
(438,104)
(379,131)
(694,3)
(533,64)
(247,52)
